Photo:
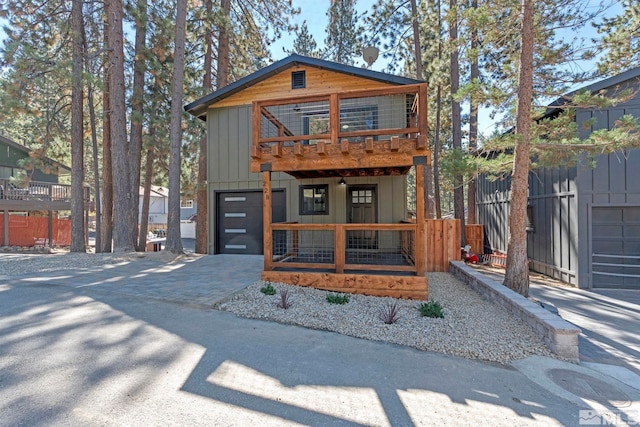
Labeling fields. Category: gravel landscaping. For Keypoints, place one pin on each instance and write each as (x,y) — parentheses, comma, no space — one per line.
(472,327)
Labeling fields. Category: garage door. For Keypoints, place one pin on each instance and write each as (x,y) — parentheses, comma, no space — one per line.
(615,261)
(239,220)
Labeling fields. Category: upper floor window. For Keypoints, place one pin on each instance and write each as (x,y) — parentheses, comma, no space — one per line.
(186,204)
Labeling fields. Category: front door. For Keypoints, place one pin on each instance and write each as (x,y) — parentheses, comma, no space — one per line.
(362,208)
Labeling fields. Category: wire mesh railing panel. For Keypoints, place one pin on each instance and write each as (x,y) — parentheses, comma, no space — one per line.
(375,114)
(380,247)
(303,246)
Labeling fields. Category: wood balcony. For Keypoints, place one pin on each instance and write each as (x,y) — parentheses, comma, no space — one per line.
(355,133)
(36,195)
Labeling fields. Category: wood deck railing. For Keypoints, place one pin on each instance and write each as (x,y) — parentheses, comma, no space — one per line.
(341,129)
(36,195)
(307,254)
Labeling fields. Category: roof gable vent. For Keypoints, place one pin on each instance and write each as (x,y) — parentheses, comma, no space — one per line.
(298,80)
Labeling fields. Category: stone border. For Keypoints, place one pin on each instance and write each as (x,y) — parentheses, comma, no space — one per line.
(559,335)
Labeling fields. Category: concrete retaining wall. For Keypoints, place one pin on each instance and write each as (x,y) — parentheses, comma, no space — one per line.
(559,335)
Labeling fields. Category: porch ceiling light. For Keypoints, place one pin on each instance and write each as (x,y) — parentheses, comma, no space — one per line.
(342,181)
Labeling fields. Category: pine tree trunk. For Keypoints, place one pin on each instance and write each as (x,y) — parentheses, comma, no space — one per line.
(473,122)
(107,171)
(222,76)
(456,120)
(94,155)
(202,218)
(174,241)
(77,133)
(517,268)
(122,226)
(436,154)
(137,112)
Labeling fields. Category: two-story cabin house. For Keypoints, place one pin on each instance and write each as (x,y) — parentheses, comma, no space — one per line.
(307,164)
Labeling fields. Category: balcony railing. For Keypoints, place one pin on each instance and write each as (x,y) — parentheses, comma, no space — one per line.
(343,247)
(350,124)
(37,191)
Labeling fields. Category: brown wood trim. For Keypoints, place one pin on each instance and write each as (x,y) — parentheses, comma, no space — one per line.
(293,100)
(344,146)
(395,143)
(368,145)
(293,138)
(334,117)
(379,267)
(422,109)
(376,132)
(305,265)
(298,150)
(394,90)
(419,240)
(407,287)
(255,123)
(287,226)
(339,248)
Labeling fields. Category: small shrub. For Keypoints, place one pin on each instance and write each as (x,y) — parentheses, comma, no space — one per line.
(431,309)
(285,301)
(337,298)
(389,313)
(268,289)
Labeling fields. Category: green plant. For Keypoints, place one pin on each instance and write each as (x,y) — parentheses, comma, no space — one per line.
(337,298)
(389,313)
(268,289)
(285,301)
(431,308)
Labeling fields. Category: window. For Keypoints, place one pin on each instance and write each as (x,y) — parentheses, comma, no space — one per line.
(314,199)
(186,204)
(298,80)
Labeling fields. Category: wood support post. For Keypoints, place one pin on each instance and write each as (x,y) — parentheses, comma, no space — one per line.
(339,248)
(255,125)
(334,117)
(298,149)
(50,227)
(420,243)
(266,220)
(255,153)
(276,150)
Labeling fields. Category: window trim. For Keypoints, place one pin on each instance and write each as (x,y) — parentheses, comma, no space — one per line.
(302,210)
(189,204)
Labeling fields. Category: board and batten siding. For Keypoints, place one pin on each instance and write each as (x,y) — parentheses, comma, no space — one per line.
(229,140)
(614,182)
(551,238)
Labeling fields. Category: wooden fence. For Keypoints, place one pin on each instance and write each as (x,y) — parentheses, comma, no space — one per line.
(443,243)
(32,230)
(475,237)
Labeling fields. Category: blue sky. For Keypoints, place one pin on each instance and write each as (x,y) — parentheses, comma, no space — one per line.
(314,12)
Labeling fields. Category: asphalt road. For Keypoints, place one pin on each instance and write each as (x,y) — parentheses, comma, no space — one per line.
(90,357)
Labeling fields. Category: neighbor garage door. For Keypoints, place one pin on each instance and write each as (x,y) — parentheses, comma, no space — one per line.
(615,259)
(239,220)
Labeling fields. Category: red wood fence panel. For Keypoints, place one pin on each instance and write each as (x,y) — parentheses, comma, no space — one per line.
(29,230)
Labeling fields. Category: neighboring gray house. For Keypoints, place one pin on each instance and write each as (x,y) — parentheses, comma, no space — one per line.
(584,223)
(158,205)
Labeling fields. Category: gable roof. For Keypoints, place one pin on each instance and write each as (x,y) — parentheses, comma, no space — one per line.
(27,150)
(554,107)
(198,108)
